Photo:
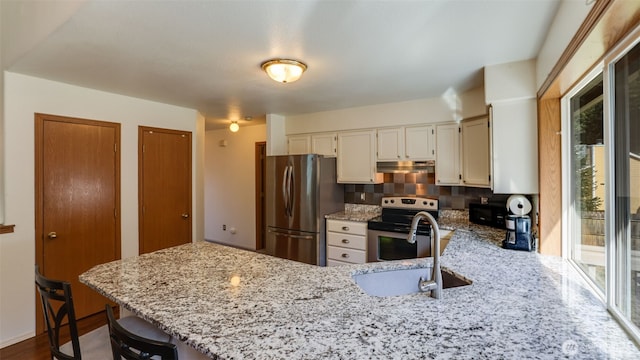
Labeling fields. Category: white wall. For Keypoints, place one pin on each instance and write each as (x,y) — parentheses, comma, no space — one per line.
(432,110)
(198,179)
(2,54)
(570,16)
(510,81)
(230,185)
(277,144)
(472,103)
(25,96)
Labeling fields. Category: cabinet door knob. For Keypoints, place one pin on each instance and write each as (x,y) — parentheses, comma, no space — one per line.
(346,256)
(345,241)
(345,228)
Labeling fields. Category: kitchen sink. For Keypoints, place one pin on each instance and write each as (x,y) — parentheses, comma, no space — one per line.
(403,282)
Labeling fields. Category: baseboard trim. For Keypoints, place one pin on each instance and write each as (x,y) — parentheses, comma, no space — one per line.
(17,339)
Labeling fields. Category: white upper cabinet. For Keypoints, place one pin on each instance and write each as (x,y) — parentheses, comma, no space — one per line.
(299,144)
(448,154)
(356,158)
(419,142)
(390,144)
(515,147)
(511,90)
(476,152)
(406,143)
(324,144)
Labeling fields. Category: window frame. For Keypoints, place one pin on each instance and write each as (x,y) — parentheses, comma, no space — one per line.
(567,221)
(613,291)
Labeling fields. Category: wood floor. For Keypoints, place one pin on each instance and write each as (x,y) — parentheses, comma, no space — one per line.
(37,348)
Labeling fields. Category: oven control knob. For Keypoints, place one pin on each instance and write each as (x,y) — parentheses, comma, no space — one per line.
(392,201)
(424,203)
(386,201)
(431,203)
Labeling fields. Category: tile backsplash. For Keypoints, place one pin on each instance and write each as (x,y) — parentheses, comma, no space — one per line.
(414,184)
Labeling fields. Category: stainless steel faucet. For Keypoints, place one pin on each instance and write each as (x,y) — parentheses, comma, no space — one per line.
(435,284)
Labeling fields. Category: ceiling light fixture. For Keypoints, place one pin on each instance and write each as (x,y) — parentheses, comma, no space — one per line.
(284,70)
(234,127)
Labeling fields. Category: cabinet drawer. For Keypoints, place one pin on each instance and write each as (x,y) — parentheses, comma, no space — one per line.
(346,255)
(357,242)
(351,227)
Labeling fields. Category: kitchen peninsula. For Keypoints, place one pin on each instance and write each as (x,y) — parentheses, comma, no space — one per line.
(237,304)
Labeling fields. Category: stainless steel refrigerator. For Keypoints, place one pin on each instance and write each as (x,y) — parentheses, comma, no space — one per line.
(300,191)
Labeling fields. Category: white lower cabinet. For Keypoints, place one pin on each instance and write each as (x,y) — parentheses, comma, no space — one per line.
(346,242)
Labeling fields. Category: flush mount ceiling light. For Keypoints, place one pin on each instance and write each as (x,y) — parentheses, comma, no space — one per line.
(234,127)
(284,70)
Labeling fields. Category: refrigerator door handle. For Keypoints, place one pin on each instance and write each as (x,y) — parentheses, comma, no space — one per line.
(285,177)
(306,237)
(291,190)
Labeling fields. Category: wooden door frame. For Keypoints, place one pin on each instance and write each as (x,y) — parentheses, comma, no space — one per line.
(39,120)
(260,162)
(141,130)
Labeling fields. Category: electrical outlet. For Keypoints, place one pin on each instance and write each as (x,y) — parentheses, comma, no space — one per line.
(224,227)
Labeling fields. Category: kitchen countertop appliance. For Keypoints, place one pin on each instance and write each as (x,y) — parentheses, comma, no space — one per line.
(491,214)
(300,191)
(518,236)
(387,234)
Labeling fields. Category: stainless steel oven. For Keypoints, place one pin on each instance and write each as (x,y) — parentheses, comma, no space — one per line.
(387,234)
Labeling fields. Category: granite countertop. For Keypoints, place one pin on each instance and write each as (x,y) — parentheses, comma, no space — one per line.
(236,304)
(356,212)
(459,220)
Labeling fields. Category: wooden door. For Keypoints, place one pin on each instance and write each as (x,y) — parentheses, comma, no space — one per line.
(77,202)
(164,188)
(261,176)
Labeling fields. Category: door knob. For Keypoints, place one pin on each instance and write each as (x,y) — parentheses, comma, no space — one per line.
(52,235)
(185,216)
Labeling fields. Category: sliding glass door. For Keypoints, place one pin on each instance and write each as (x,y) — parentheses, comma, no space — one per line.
(601,182)
(626,127)
(587,186)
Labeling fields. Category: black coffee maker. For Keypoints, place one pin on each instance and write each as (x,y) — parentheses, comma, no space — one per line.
(518,236)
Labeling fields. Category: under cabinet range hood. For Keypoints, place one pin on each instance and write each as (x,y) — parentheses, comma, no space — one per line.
(406,166)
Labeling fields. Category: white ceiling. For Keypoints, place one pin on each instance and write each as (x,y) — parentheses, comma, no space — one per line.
(206,54)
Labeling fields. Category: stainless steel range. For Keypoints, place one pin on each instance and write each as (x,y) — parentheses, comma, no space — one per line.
(387,234)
